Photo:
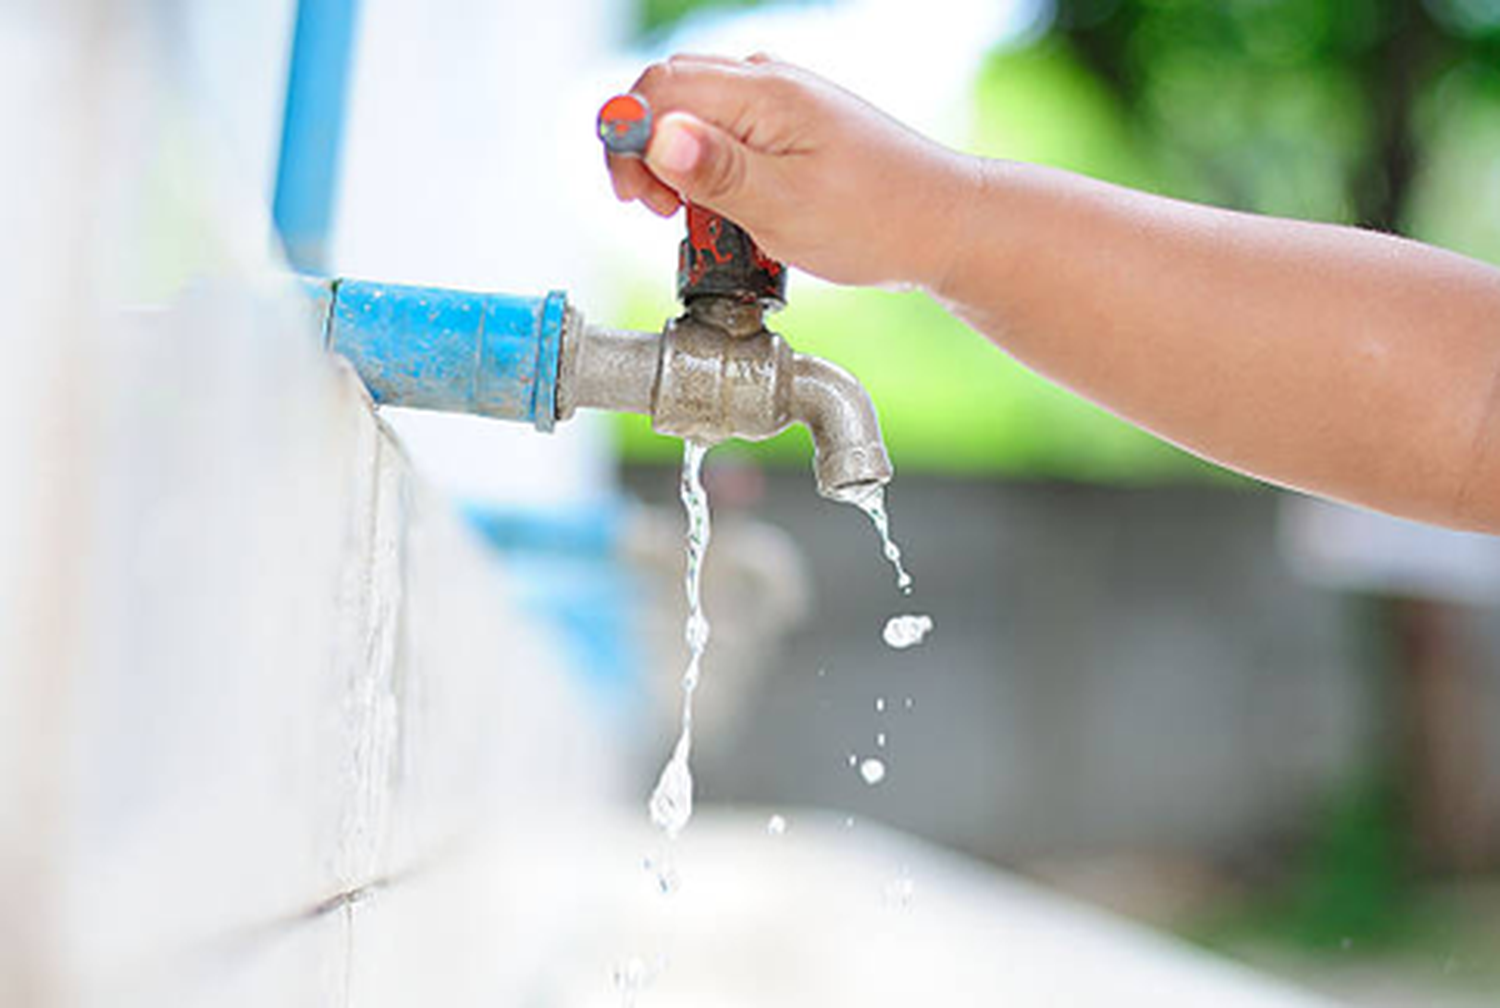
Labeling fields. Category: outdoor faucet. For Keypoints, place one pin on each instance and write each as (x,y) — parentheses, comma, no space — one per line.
(716,372)
(713,373)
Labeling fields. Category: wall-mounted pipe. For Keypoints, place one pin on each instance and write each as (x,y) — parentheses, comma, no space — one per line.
(713,374)
(494,355)
(312,129)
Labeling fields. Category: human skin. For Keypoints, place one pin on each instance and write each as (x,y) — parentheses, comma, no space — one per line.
(1341,362)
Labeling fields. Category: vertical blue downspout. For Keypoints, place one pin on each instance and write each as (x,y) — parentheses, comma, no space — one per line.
(312,130)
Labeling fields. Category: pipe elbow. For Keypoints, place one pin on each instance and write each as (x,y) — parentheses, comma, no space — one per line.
(848,452)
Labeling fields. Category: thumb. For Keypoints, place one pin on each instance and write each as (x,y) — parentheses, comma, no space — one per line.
(704,164)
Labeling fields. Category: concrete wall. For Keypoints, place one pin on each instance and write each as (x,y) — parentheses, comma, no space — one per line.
(254,675)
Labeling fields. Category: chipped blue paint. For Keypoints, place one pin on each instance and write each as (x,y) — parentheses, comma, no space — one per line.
(491,354)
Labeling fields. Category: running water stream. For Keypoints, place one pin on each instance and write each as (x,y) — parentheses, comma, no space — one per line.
(672,802)
(870,498)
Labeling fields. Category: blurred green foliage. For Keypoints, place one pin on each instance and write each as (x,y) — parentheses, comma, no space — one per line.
(1384,113)
(653,16)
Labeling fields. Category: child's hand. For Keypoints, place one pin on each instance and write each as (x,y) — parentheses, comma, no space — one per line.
(821,179)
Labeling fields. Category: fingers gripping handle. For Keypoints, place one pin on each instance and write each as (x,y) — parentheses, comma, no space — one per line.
(717,258)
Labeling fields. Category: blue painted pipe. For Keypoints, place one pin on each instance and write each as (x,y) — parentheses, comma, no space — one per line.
(491,354)
(312,129)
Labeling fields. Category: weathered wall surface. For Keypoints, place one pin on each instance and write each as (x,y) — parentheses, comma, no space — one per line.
(253,674)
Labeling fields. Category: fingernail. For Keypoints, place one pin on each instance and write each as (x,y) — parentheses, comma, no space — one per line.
(675,148)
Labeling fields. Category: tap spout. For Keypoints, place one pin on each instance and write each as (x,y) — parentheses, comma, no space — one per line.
(848,452)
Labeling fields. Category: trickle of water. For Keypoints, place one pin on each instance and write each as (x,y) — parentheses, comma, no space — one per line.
(872,770)
(870,498)
(776,825)
(905,631)
(671,802)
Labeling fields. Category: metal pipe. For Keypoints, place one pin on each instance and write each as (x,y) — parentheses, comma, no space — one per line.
(494,355)
(312,129)
(610,369)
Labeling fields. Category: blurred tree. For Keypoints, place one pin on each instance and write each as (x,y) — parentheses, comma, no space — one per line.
(655,16)
(1385,114)
(1296,107)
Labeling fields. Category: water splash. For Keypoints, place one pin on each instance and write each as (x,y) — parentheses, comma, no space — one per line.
(671,804)
(898,891)
(870,498)
(906,631)
(633,975)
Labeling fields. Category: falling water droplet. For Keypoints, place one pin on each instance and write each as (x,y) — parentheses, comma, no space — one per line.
(879,704)
(880,740)
(776,825)
(872,770)
(905,631)
(671,804)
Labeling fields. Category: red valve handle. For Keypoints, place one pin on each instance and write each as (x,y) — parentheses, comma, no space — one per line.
(718,258)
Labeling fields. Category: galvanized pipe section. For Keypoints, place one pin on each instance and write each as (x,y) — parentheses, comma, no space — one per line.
(609,369)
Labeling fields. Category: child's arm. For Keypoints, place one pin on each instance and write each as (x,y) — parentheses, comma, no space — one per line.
(1342,362)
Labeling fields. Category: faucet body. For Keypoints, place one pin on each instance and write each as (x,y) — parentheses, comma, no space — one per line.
(717,373)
